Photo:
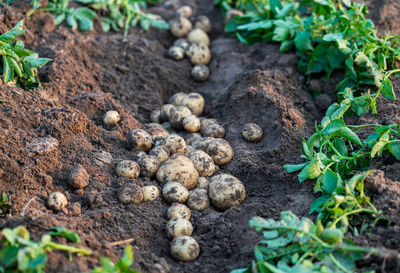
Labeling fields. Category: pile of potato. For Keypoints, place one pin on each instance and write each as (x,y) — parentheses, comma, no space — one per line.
(192,41)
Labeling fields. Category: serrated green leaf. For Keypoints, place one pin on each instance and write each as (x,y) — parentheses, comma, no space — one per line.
(293,168)
(387,90)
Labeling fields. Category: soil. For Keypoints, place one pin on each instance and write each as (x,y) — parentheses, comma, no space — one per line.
(94,72)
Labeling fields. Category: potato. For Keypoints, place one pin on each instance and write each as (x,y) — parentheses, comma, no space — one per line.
(198,35)
(178,211)
(165,111)
(185,248)
(202,183)
(183,43)
(192,137)
(214,130)
(207,122)
(176,99)
(188,150)
(177,115)
(78,177)
(198,199)
(177,227)
(176,53)
(175,192)
(195,103)
(232,13)
(180,27)
(58,201)
(220,151)
(200,72)
(178,168)
(140,140)
(175,144)
(152,125)
(226,191)
(155,116)
(128,169)
(198,53)
(252,132)
(159,141)
(203,23)
(149,165)
(184,11)
(130,194)
(150,193)
(191,123)
(203,163)
(157,132)
(203,144)
(111,117)
(161,152)
(139,154)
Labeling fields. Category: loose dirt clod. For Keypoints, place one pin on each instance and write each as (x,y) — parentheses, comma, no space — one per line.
(78,177)
(43,145)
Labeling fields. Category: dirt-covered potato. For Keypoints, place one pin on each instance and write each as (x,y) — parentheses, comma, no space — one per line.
(130,194)
(203,23)
(195,103)
(111,117)
(165,111)
(159,141)
(177,115)
(198,53)
(175,192)
(180,27)
(252,132)
(175,144)
(198,199)
(226,191)
(232,13)
(161,152)
(149,165)
(183,43)
(177,227)
(178,168)
(203,143)
(184,11)
(220,151)
(202,183)
(153,125)
(58,201)
(198,35)
(139,154)
(203,163)
(190,138)
(207,122)
(200,72)
(155,116)
(214,130)
(191,123)
(188,150)
(178,211)
(177,53)
(128,169)
(150,193)
(176,99)
(185,248)
(140,140)
(157,132)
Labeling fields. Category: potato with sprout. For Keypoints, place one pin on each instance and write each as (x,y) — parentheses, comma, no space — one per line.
(198,199)
(149,165)
(185,248)
(177,227)
(203,23)
(214,130)
(150,193)
(128,169)
(111,117)
(175,144)
(58,201)
(198,35)
(178,211)
(195,103)
(180,27)
(200,72)
(176,53)
(184,11)
(226,191)
(177,115)
(220,151)
(165,111)
(198,53)
(191,123)
(139,140)
(161,152)
(130,194)
(252,132)
(203,163)
(175,192)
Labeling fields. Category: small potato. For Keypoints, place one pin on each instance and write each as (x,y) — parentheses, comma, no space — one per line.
(58,201)
(150,193)
(200,72)
(111,117)
(184,11)
(226,191)
(203,163)
(207,122)
(203,23)
(192,137)
(128,169)
(78,177)
(161,152)
(177,227)
(191,123)
(188,150)
(252,132)
(198,35)
(177,115)
(198,200)
(202,183)
(183,43)
(155,116)
(175,144)
(165,111)
(175,192)
(180,27)
(232,13)
(149,165)
(130,194)
(214,130)
(185,248)
(198,53)
(139,154)
(195,103)
(140,140)
(157,132)
(177,53)
(177,98)
(159,141)
(220,151)
(178,168)
(178,211)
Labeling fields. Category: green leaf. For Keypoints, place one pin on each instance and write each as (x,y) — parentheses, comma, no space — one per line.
(293,168)
(303,41)
(329,181)
(7,70)
(333,126)
(387,90)
(286,46)
(395,149)
(317,203)
(348,134)
(63,232)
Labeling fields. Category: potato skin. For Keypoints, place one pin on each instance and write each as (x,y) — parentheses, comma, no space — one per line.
(226,191)
(214,130)
(252,132)
(183,43)
(190,138)
(177,227)
(176,53)
(128,169)
(175,192)
(203,23)
(200,72)
(178,211)
(155,116)
(220,151)
(165,111)
(177,115)
(57,201)
(203,163)
(150,193)
(198,199)
(149,165)
(180,27)
(198,53)
(202,183)
(176,99)
(161,152)
(206,122)
(130,194)
(140,140)
(195,103)
(191,123)
(185,248)
(184,11)
(175,144)
(198,35)
(111,117)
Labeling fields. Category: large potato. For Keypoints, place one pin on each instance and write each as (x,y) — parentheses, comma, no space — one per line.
(198,199)
(175,192)
(198,35)
(226,191)
(175,144)
(185,248)
(214,130)
(178,211)
(150,193)
(195,103)
(203,163)
(140,140)
(128,169)
(220,151)
(177,115)
(198,53)
(149,165)
(177,227)
(130,194)
(191,123)
(180,27)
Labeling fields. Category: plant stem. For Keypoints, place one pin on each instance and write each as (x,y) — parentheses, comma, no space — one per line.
(357,211)
(70,249)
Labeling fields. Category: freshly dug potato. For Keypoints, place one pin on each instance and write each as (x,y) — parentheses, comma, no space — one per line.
(198,53)
(203,23)
(177,115)
(177,53)
(185,248)
(159,141)
(226,191)
(188,150)
(220,151)
(140,140)
(111,117)
(128,169)
(165,111)
(202,183)
(214,130)
(58,201)
(200,72)
(195,103)
(184,11)
(178,211)
(192,137)
(183,43)
(176,99)
(252,132)
(198,199)
(180,27)
(198,35)
(232,13)
(161,152)
(178,168)
(157,132)
(191,123)
(175,144)
(149,165)
(175,192)
(150,193)
(130,194)
(177,227)
(203,163)
(139,154)
(153,125)
(155,116)
(207,122)
(203,144)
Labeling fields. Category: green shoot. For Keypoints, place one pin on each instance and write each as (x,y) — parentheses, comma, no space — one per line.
(5,208)
(121,266)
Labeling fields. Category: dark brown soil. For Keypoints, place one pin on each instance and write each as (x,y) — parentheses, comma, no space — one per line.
(95,72)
